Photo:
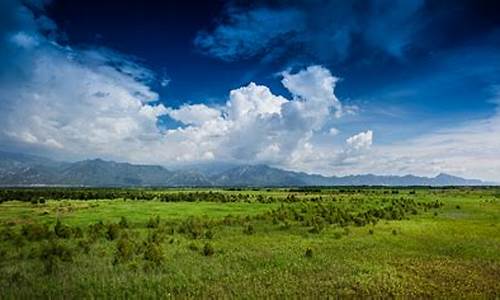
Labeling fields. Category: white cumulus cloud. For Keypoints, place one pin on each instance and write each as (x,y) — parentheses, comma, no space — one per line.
(360,141)
(196,114)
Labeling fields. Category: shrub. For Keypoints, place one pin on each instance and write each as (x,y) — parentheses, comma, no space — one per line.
(84,245)
(113,231)
(62,231)
(193,247)
(192,227)
(125,251)
(208,249)
(284,226)
(169,230)
(458,206)
(35,232)
(249,229)
(153,222)
(34,201)
(347,231)
(3,254)
(359,221)
(209,234)
(394,232)
(78,232)
(41,200)
(156,236)
(53,253)
(309,252)
(9,234)
(228,220)
(318,225)
(96,230)
(370,231)
(123,222)
(154,253)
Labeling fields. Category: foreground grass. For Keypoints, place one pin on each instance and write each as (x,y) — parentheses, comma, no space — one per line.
(451,251)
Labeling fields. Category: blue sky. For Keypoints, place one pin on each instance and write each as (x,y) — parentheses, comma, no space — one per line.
(330,87)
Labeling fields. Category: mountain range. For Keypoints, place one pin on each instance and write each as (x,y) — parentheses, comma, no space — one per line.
(18,169)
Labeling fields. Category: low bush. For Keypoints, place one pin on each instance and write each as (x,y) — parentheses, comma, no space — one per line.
(317,225)
(123,222)
(154,253)
(208,249)
(112,231)
(11,235)
(84,245)
(308,253)
(209,234)
(347,231)
(96,230)
(193,247)
(125,250)
(156,236)
(35,232)
(249,229)
(192,227)
(54,253)
(77,232)
(62,231)
(153,222)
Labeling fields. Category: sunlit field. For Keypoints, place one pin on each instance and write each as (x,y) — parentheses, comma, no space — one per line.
(141,243)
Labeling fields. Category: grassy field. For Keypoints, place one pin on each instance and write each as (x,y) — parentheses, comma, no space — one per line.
(262,243)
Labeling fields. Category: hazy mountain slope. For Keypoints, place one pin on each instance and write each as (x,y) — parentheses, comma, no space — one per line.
(32,170)
(107,173)
(22,169)
(259,175)
(262,175)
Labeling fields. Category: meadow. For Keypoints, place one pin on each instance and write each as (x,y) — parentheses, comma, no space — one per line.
(249,243)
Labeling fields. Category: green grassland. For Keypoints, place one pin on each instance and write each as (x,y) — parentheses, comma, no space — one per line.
(175,243)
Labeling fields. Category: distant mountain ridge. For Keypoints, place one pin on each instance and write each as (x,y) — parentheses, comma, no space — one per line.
(28,170)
